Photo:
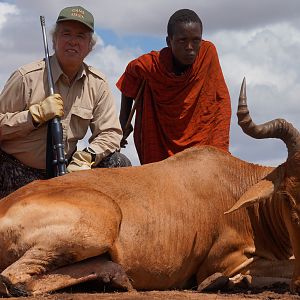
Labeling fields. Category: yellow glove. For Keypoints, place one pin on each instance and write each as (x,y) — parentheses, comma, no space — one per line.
(81,160)
(47,109)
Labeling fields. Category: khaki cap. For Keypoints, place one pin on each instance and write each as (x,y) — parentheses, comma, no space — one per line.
(76,13)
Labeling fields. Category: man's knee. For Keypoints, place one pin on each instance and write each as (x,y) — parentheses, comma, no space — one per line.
(14,174)
(115,160)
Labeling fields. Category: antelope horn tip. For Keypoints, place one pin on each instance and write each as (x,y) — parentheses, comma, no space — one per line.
(243,96)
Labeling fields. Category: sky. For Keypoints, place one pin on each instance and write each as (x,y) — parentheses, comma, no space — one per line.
(257,39)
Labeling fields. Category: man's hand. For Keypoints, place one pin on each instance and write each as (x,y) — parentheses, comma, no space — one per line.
(123,143)
(81,160)
(126,134)
(47,109)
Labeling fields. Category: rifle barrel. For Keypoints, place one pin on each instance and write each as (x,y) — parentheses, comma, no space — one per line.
(47,60)
(57,147)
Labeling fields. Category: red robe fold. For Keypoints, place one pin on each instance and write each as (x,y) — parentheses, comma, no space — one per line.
(177,112)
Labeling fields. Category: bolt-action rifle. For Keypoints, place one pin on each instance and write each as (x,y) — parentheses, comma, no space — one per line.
(55,156)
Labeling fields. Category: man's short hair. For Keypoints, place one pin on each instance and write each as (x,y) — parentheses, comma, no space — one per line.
(182,16)
(54,31)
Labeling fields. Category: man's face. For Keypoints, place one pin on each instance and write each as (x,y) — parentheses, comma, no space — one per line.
(72,43)
(185,42)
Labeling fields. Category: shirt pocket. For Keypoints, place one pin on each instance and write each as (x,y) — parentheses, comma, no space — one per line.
(79,122)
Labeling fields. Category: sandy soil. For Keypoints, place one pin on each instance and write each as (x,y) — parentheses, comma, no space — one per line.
(157,295)
(279,291)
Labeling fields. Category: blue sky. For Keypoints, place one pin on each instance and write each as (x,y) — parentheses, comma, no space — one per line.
(259,39)
(131,41)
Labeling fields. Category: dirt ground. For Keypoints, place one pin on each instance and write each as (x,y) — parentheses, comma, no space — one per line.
(280,291)
(157,295)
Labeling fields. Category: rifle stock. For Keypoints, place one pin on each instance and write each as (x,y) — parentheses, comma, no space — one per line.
(55,156)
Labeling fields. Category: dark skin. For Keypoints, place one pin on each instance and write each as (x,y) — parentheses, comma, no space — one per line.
(185,45)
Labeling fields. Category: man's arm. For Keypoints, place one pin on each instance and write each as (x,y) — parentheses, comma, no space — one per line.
(15,118)
(106,132)
(220,134)
(126,106)
(105,126)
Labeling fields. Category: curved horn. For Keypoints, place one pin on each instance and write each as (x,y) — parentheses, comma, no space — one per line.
(278,128)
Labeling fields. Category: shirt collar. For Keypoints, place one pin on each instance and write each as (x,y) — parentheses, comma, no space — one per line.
(57,72)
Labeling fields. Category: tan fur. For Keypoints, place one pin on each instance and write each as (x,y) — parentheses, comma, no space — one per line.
(163,222)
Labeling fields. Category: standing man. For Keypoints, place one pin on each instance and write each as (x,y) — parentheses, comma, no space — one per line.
(83,99)
(185,100)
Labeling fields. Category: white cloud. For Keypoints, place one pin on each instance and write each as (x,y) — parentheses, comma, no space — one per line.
(150,17)
(6,10)
(268,57)
(112,62)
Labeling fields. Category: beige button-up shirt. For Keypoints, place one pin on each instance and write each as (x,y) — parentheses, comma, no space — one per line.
(88,102)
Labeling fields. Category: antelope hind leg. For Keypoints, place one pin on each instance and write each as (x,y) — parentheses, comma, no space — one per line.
(96,268)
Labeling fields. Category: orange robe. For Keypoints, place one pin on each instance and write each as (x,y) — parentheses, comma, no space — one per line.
(177,112)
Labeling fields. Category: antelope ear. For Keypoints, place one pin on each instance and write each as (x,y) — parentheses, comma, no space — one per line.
(258,192)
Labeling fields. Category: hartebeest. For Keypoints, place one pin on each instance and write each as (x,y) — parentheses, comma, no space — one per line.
(159,224)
